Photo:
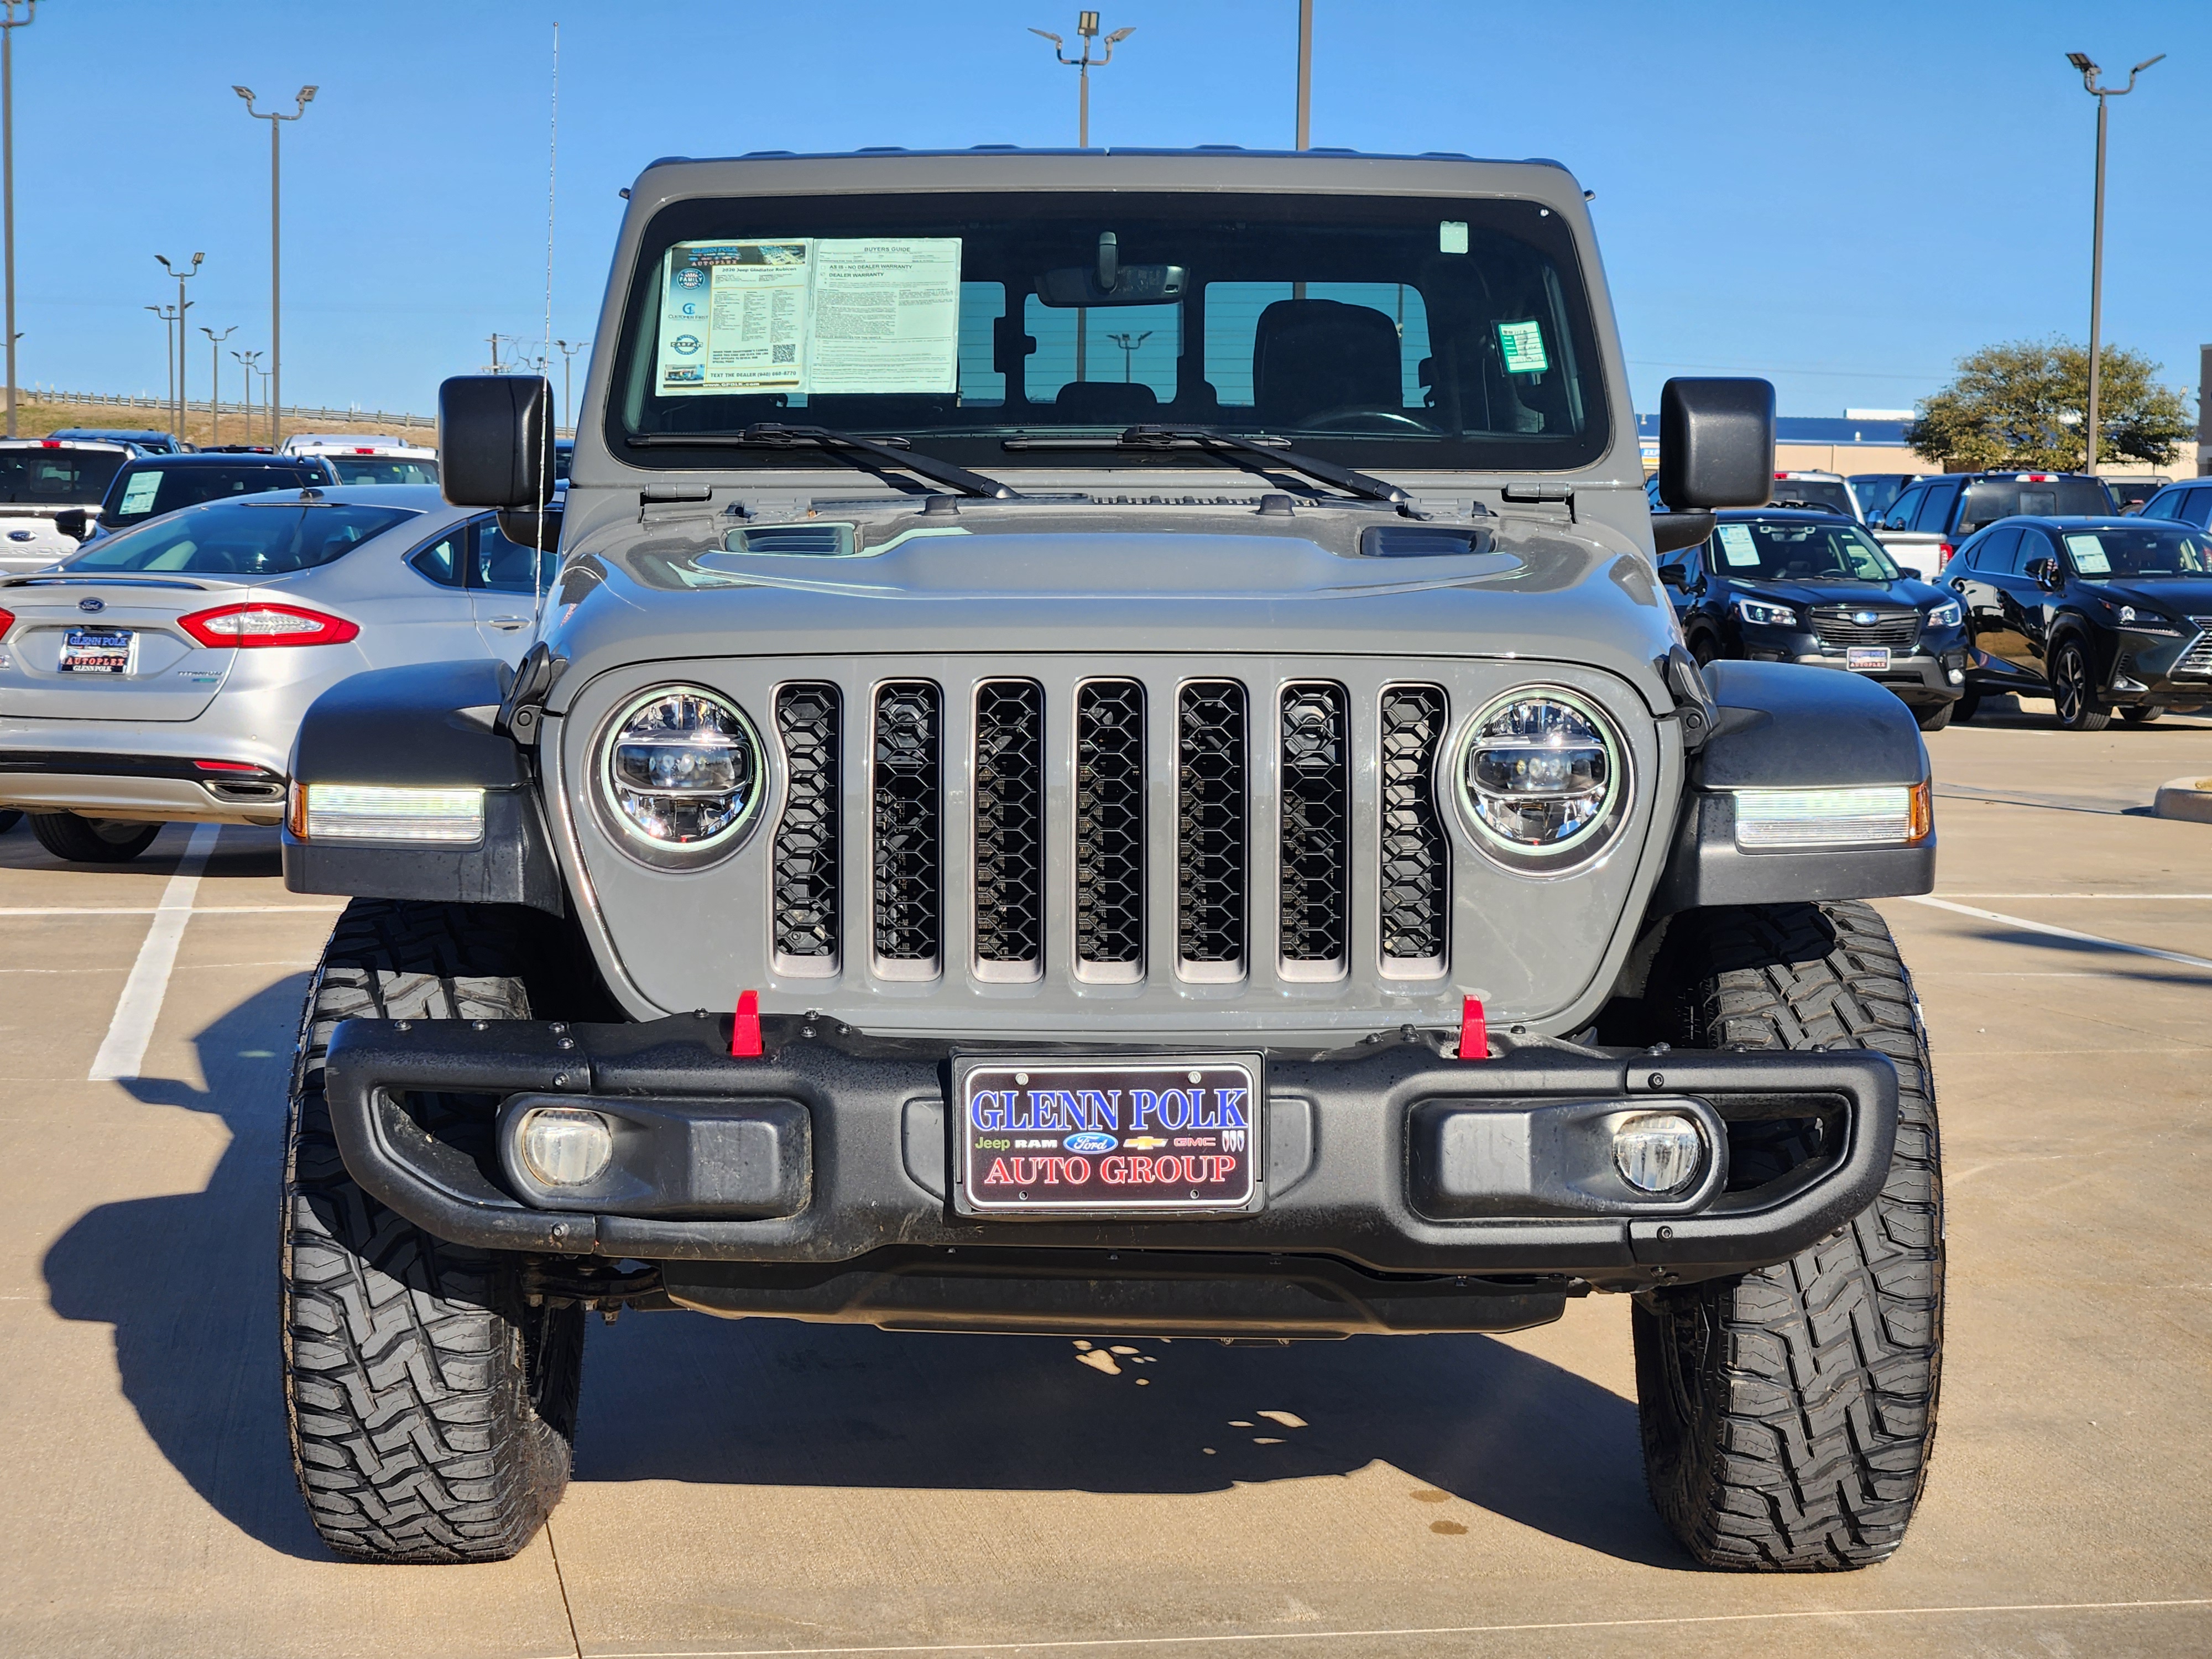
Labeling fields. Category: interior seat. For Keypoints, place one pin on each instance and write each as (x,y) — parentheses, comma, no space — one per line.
(1108,402)
(1310,356)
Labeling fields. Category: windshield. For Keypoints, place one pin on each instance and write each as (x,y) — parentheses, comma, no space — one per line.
(1781,549)
(1366,330)
(154,489)
(243,538)
(2003,498)
(1821,495)
(2152,549)
(383,469)
(68,478)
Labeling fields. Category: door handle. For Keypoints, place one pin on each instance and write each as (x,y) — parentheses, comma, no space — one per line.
(510,624)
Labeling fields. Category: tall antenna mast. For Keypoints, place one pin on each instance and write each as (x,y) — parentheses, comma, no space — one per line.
(552,175)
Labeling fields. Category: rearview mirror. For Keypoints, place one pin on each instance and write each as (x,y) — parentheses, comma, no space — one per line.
(1133,285)
(496,440)
(1716,443)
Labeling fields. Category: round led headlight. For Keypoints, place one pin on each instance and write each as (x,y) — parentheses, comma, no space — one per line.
(1542,777)
(680,769)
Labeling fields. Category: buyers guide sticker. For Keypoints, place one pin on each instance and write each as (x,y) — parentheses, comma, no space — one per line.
(809,314)
(2088,555)
(1523,346)
(1737,546)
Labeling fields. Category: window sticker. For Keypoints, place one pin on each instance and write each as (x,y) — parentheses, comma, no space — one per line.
(1523,346)
(138,494)
(1737,546)
(2088,555)
(1451,235)
(809,314)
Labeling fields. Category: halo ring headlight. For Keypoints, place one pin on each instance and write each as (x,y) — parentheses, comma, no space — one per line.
(681,774)
(1542,776)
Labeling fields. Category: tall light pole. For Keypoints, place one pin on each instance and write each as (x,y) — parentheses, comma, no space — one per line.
(567,352)
(275,119)
(1305,74)
(183,306)
(250,361)
(215,380)
(1129,342)
(1086,27)
(168,316)
(8,24)
(2089,72)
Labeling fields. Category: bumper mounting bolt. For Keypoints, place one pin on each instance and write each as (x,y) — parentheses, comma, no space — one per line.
(1657,1079)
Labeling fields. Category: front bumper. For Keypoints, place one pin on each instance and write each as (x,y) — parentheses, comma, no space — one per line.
(812,1182)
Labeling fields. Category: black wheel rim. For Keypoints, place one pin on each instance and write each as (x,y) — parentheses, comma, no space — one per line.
(2070,689)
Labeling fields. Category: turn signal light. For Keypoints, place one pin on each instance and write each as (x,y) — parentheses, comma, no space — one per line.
(368,811)
(244,625)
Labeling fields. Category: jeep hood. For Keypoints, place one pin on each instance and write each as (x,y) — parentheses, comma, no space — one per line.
(1536,591)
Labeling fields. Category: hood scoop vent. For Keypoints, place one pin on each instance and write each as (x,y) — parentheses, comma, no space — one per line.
(817,541)
(1419,541)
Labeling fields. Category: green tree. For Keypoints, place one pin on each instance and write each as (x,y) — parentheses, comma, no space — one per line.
(2021,405)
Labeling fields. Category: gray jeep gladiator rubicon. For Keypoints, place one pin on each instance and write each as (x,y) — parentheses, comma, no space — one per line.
(1104,755)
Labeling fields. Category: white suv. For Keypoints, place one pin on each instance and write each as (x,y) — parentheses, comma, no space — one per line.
(40,477)
(368,458)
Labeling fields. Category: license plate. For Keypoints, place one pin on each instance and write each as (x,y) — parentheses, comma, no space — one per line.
(1867,659)
(98,651)
(1069,1135)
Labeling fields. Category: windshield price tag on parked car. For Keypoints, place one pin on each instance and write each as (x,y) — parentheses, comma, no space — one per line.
(1150,1136)
(1522,344)
(2088,555)
(1737,546)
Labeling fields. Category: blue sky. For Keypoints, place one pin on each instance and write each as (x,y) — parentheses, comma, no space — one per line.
(1843,197)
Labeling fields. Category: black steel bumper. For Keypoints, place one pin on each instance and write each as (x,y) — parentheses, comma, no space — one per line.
(812,1182)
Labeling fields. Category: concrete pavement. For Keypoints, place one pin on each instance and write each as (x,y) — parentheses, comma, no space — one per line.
(765,1487)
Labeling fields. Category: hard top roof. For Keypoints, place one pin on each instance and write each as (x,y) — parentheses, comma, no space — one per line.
(217,457)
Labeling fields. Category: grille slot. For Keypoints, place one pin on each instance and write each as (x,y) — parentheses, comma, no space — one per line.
(1110,829)
(1212,865)
(1010,822)
(1317,825)
(907,825)
(2197,660)
(1416,860)
(1834,626)
(806,835)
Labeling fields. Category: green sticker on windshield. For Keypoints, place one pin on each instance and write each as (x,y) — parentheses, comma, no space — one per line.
(1737,546)
(1523,346)
(2088,555)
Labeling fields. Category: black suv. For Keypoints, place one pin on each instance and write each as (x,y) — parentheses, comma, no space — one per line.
(2096,614)
(1774,585)
(150,486)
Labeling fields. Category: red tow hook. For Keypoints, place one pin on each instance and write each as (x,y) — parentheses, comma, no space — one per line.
(745,1029)
(1474,1030)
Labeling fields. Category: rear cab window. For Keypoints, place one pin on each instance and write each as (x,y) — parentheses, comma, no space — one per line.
(1989,500)
(64,475)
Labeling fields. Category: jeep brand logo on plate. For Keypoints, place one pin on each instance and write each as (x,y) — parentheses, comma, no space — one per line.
(91,605)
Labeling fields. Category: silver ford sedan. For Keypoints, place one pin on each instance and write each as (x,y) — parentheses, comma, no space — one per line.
(161,675)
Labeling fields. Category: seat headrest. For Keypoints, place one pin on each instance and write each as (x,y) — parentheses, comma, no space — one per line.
(1312,356)
(1125,402)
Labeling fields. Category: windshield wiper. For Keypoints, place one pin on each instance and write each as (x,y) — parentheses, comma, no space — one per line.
(1242,451)
(880,458)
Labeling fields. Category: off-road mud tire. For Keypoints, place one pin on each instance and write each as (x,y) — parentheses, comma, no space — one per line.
(1788,1414)
(431,1408)
(92,841)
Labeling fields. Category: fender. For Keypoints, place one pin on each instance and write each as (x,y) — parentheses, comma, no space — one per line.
(428,725)
(1785,726)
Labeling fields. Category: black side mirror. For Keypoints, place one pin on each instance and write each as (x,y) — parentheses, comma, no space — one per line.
(496,440)
(1674,575)
(1716,443)
(70,522)
(2045,574)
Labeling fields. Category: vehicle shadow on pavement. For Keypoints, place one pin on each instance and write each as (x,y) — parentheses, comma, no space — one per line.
(773,1402)
(189,1281)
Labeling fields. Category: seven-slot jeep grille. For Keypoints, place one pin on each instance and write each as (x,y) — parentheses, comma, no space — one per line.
(909,829)
(1009,821)
(1186,813)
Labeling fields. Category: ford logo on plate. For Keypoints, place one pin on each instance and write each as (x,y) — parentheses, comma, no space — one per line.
(91,605)
(1089,1141)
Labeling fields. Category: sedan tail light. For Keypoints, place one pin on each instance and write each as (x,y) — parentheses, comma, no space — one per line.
(7,622)
(244,625)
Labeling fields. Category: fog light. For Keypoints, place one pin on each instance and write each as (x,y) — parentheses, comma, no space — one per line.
(1832,818)
(563,1146)
(368,811)
(1958,677)
(1659,1152)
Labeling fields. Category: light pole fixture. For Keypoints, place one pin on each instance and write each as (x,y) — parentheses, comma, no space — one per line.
(181,273)
(8,24)
(1086,26)
(250,362)
(215,380)
(168,316)
(567,352)
(1129,342)
(275,372)
(2090,73)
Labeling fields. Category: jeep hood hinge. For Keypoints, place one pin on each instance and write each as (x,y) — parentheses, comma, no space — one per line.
(521,712)
(1693,699)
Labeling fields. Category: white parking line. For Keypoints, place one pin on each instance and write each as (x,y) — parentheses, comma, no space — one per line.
(2061,933)
(122,1051)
